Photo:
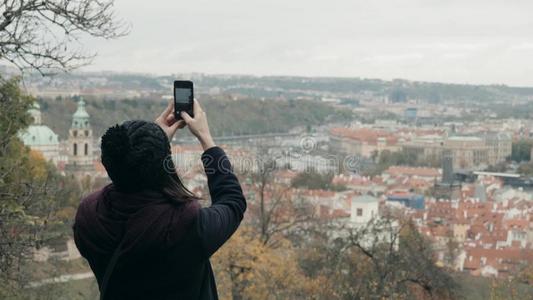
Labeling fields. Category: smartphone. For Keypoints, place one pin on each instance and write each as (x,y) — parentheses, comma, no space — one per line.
(183,98)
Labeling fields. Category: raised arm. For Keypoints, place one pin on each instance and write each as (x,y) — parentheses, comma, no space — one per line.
(216,224)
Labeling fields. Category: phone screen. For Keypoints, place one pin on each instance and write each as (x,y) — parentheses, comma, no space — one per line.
(183,95)
(183,98)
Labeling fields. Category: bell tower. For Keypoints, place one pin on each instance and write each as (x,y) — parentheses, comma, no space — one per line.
(80,141)
(35,113)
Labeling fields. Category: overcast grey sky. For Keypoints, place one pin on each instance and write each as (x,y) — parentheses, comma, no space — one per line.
(463,41)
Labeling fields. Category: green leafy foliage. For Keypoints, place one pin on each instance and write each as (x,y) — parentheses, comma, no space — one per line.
(526,169)
(311,179)
(31,192)
(383,260)
(387,158)
(226,116)
(521,150)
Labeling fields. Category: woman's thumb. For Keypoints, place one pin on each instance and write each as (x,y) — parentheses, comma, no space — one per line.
(185,116)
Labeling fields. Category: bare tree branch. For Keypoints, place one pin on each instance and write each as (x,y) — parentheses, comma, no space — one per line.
(44,35)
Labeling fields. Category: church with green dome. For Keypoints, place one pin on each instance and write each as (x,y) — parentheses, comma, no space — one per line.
(76,154)
(80,144)
(40,137)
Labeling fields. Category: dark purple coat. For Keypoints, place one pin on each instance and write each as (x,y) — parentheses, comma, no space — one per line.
(166,246)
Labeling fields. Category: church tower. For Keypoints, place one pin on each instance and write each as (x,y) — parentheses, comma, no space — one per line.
(80,142)
(35,113)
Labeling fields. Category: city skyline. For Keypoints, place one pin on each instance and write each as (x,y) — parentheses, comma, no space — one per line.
(347,149)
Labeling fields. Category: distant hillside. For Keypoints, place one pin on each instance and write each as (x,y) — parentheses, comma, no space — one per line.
(225,116)
(352,87)
(286,87)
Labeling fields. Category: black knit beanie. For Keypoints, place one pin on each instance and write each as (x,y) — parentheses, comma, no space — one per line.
(134,154)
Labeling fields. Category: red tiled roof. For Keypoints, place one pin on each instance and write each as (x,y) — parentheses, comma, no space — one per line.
(186,148)
(340,213)
(288,174)
(318,193)
(349,180)
(502,260)
(516,223)
(440,231)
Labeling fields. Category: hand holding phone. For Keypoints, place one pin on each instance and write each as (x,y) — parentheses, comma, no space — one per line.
(198,126)
(183,98)
(167,121)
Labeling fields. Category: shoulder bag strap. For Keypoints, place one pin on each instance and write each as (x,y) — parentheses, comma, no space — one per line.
(109,271)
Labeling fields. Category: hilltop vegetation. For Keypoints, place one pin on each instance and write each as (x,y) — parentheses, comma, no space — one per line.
(288,87)
(37,204)
(225,116)
(427,91)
